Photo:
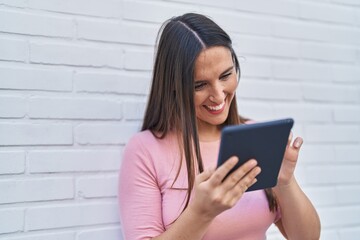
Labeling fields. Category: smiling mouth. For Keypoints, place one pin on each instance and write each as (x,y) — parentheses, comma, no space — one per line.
(216,109)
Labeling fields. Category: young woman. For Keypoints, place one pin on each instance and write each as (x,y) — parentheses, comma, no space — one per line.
(170,187)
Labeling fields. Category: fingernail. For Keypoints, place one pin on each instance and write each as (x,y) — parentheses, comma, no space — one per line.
(297,143)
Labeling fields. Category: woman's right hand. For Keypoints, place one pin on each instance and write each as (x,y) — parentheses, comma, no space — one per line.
(212,195)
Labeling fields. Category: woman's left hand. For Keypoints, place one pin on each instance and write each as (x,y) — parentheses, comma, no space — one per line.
(288,165)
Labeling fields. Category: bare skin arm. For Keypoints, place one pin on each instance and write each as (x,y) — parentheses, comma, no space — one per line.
(299,219)
(211,197)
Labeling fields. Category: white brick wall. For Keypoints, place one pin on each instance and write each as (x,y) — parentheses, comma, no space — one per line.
(74,78)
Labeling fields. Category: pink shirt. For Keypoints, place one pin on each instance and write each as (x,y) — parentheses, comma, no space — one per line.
(148,203)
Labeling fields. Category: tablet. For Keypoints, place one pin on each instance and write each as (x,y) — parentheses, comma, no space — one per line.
(264,141)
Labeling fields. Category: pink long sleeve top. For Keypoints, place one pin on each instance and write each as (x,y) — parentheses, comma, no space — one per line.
(150,202)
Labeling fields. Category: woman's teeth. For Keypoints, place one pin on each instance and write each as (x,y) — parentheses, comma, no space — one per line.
(216,108)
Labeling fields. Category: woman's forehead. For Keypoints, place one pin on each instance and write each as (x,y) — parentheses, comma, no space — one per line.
(212,61)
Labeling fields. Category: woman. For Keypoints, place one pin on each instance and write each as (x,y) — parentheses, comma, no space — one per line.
(170,187)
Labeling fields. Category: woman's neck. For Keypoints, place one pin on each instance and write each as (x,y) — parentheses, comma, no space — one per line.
(209,134)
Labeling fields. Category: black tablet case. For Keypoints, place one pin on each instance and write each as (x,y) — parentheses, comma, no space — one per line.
(263,141)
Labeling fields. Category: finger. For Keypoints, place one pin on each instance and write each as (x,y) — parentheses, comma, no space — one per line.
(240,173)
(205,175)
(242,186)
(298,143)
(290,139)
(223,170)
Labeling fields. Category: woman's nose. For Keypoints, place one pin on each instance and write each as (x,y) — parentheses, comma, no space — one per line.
(217,93)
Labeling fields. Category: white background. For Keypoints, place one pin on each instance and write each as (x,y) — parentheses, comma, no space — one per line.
(74,78)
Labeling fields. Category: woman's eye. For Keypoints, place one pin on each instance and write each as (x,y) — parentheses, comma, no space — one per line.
(199,86)
(226,76)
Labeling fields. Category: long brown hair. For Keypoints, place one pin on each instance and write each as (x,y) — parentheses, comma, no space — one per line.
(170,106)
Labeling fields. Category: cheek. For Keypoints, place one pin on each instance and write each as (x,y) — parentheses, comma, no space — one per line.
(198,99)
(231,86)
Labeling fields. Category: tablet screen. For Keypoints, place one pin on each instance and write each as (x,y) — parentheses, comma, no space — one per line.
(263,141)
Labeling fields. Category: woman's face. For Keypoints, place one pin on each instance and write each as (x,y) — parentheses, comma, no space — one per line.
(215,86)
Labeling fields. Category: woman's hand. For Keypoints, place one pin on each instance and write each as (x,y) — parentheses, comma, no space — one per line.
(288,165)
(214,195)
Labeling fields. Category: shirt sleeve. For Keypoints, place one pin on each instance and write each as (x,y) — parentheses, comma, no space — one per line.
(139,194)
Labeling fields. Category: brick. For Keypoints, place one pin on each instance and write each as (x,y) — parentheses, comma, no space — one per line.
(76,55)
(349,232)
(269,90)
(345,74)
(330,93)
(117,32)
(329,234)
(332,217)
(314,32)
(278,7)
(14,3)
(11,220)
(347,2)
(71,215)
(322,196)
(347,114)
(347,154)
(13,50)
(345,36)
(255,68)
(35,79)
(300,30)
(139,60)
(28,190)
(12,162)
(35,134)
(300,173)
(12,107)
(325,12)
(107,8)
(315,154)
(346,195)
(236,23)
(297,130)
(35,24)
(304,113)
(105,133)
(302,71)
(122,83)
(323,52)
(332,133)
(74,108)
(333,174)
(134,110)
(153,12)
(226,4)
(266,47)
(44,236)
(56,161)
(101,233)
(273,233)
(256,111)
(99,186)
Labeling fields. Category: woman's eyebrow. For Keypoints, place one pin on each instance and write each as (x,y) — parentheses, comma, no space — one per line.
(224,72)
(227,70)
